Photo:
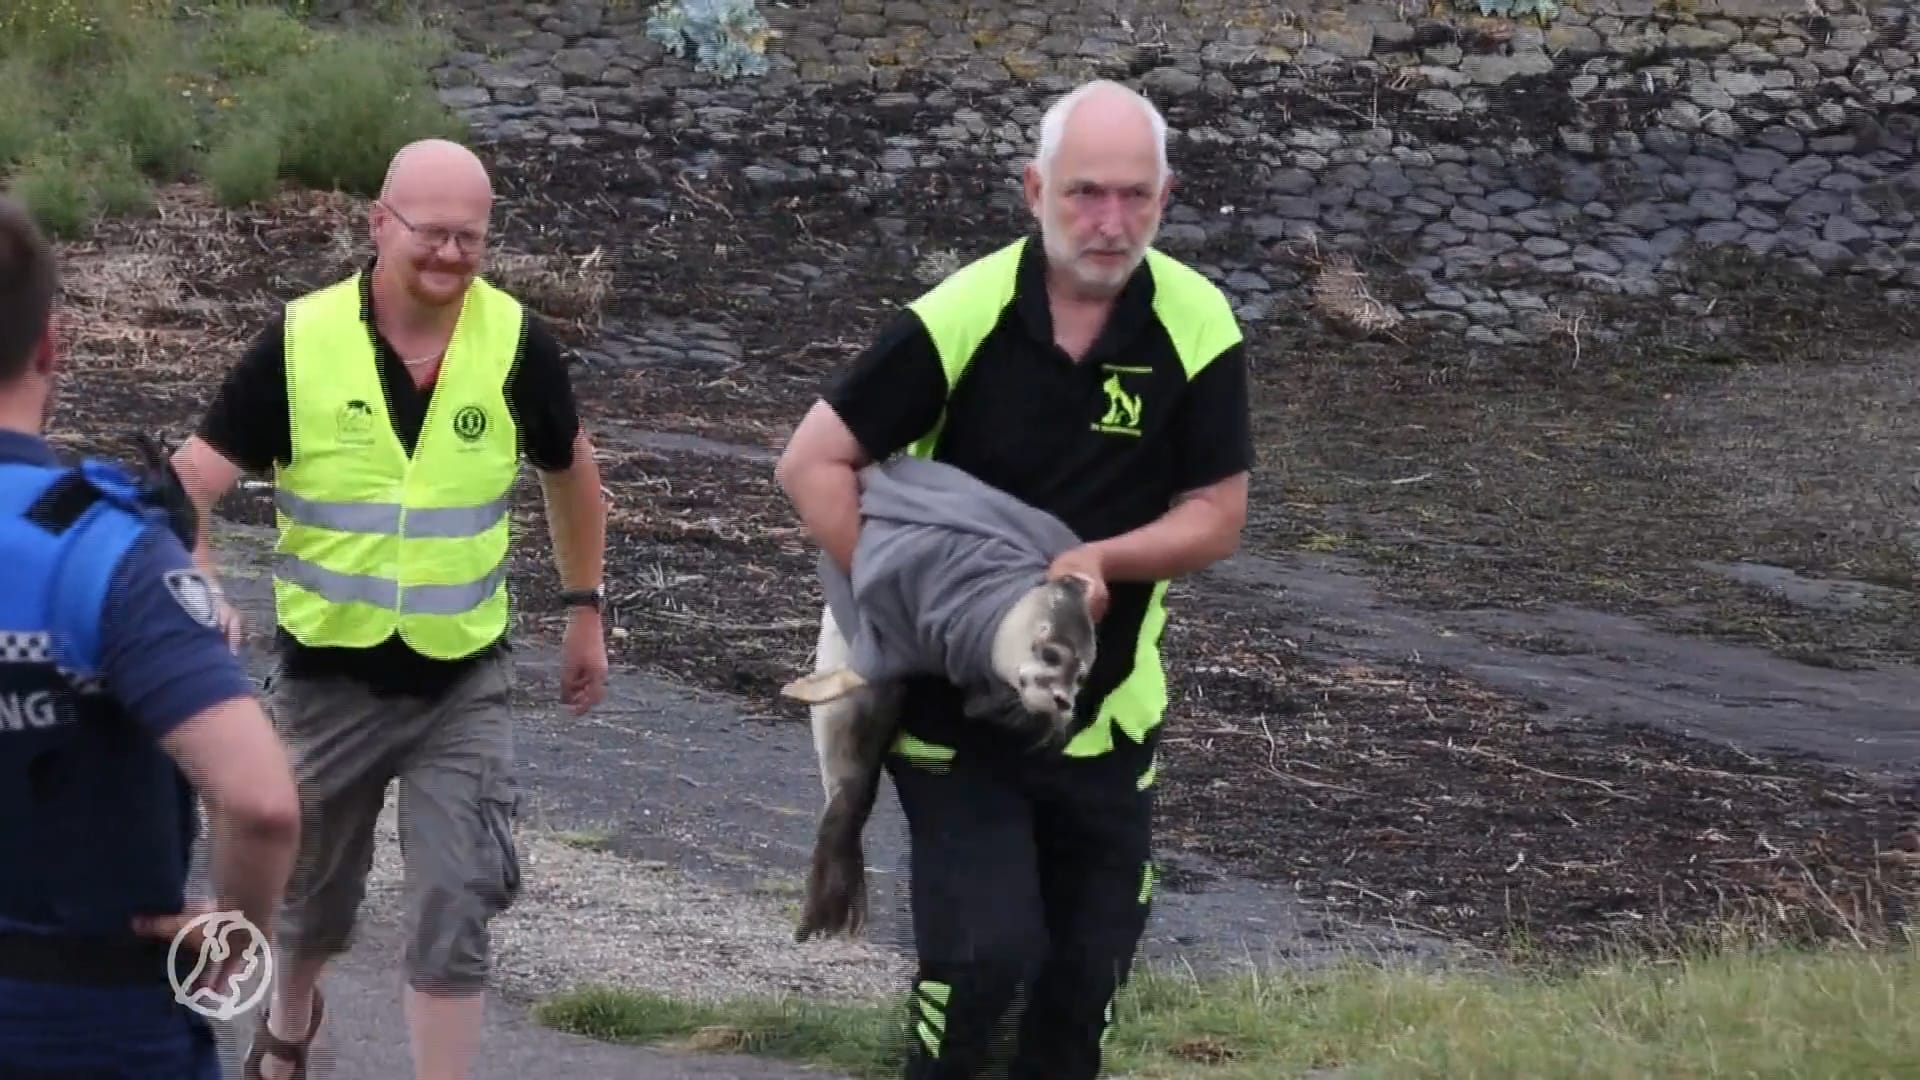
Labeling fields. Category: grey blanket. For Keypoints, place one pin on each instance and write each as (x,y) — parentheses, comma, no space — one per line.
(940,559)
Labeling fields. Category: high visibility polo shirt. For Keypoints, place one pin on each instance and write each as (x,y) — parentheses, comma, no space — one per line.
(372,542)
(1091,442)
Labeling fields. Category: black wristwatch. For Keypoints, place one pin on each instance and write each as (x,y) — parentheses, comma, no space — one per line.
(592,598)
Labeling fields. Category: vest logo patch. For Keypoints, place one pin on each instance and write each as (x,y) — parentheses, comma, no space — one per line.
(195,597)
(1124,407)
(470,423)
(356,421)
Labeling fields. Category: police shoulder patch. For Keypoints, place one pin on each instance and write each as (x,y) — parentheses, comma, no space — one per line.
(195,596)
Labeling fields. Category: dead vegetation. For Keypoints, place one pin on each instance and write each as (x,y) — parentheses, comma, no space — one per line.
(1411,796)
(1341,296)
(569,290)
(143,282)
(1731,306)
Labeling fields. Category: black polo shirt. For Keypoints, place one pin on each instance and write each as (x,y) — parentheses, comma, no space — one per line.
(249,422)
(1027,419)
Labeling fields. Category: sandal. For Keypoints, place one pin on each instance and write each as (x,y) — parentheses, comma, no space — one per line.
(266,1043)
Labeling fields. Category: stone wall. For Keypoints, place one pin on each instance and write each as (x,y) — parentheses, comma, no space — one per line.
(1500,163)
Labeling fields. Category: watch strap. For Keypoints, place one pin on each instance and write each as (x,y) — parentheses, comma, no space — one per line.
(592,598)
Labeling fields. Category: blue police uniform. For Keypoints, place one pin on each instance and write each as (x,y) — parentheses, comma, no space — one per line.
(106,642)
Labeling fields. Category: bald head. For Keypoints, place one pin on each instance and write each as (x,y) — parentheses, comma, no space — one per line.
(1102,112)
(435,168)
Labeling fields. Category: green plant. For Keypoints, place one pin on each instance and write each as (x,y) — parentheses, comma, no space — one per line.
(244,165)
(105,97)
(62,33)
(344,106)
(116,182)
(253,40)
(728,37)
(1736,1010)
(54,191)
(31,114)
(141,105)
(1515,9)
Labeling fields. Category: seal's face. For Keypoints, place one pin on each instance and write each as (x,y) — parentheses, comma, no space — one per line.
(1062,654)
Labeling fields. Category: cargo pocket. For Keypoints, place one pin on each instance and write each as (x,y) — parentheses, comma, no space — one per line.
(499,857)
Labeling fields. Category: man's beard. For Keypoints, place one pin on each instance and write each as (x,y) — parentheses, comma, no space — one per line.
(1100,279)
(427,296)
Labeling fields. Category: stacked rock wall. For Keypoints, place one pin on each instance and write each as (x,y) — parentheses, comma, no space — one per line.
(1505,163)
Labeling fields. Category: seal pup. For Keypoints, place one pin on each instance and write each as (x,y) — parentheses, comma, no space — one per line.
(1043,646)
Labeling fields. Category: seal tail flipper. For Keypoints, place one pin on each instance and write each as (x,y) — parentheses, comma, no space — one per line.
(823,686)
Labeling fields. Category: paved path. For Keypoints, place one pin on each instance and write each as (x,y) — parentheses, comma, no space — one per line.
(1615,669)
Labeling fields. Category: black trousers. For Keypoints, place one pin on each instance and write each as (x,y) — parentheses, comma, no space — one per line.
(1030,891)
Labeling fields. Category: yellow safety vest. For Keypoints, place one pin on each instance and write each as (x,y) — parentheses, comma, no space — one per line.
(373,542)
(959,314)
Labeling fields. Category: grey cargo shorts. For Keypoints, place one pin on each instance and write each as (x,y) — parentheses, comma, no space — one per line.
(453,757)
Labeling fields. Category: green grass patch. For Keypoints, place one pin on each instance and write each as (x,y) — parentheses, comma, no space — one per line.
(107,98)
(856,1039)
(1828,1012)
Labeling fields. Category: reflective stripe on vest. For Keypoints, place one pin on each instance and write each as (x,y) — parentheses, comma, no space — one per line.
(373,543)
(963,309)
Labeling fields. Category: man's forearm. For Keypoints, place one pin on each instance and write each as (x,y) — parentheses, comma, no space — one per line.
(250,863)
(827,498)
(203,543)
(238,765)
(204,477)
(577,520)
(1186,539)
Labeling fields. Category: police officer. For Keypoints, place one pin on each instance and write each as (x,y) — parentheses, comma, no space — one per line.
(119,698)
(1097,378)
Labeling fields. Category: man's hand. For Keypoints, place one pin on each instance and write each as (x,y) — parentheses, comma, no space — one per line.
(228,617)
(583,661)
(218,974)
(1085,563)
(198,475)
(164,927)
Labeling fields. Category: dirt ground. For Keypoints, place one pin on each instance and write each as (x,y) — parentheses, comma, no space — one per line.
(1652,475)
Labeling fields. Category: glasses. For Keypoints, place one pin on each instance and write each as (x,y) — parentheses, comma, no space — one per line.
(435,236)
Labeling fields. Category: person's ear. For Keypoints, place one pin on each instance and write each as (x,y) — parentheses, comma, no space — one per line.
(1031,183)
(46,355)
(377,217)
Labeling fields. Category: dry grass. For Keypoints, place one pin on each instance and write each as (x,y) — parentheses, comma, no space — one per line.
(141,295)
(175,294)
(1340,293)
(571,291)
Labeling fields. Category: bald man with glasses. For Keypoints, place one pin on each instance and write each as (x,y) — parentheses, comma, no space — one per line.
(392,410)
